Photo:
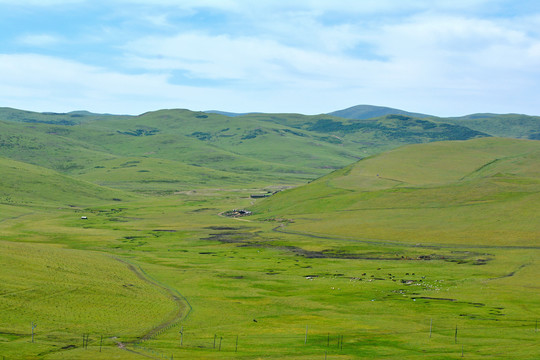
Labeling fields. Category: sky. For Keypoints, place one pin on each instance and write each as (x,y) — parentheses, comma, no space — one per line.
(439,57)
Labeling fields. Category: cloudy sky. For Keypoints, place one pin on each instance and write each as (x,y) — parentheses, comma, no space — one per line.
(441,57)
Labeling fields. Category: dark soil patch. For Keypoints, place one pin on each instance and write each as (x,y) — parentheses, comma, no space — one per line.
(231,237)
(434,298)
(236,277)
(225,227)
(202,209)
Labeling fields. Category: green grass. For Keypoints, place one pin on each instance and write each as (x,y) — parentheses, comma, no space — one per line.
(68,293)
(248,150)
(481,192)
(504,125)
(30,185)
(373,260)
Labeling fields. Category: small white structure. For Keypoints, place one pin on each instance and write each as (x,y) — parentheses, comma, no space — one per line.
(84,218)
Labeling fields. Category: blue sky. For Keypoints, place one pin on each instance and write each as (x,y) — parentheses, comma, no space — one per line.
(441,57)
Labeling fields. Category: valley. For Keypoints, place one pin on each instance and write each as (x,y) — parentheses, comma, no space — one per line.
(393,237)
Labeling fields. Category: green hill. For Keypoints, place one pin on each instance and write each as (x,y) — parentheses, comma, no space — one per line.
(478,191)
(64,292)
(260,149)
(517,126)
(503,125)
(26,184)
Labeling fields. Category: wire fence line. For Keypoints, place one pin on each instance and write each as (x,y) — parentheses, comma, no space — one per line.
(314,339)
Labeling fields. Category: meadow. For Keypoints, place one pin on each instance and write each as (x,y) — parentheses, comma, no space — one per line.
(427,251)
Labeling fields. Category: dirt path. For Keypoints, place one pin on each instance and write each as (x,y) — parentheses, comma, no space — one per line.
(183,306)
(509,274)
(16,217)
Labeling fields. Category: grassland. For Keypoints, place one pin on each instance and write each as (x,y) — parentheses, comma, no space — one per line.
(247,150)
(480,192)
(387,258)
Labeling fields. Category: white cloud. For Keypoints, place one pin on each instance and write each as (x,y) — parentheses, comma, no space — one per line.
(305,55)
(39,40)
(450,45)
(261,63)
(70,85)
(444,60)
(54,84)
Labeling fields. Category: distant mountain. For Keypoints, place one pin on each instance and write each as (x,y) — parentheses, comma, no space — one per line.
(71,118)
(517,126)
(363,112)
(229,114)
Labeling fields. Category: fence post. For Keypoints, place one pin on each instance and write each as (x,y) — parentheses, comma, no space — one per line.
(182,336)
(33,327)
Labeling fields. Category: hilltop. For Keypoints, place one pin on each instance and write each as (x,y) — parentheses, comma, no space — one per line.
(363,112)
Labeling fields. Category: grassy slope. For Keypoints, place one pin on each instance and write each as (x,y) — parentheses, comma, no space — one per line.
(477,192)
(49,146)
(29,185)
(263,148)
(68,293)
(385,132)
(222,143)
(504,125)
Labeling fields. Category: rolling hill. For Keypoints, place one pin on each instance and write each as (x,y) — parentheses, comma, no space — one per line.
(474,192)
(517,126)
(502,125)
(171,150)
(23,184)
